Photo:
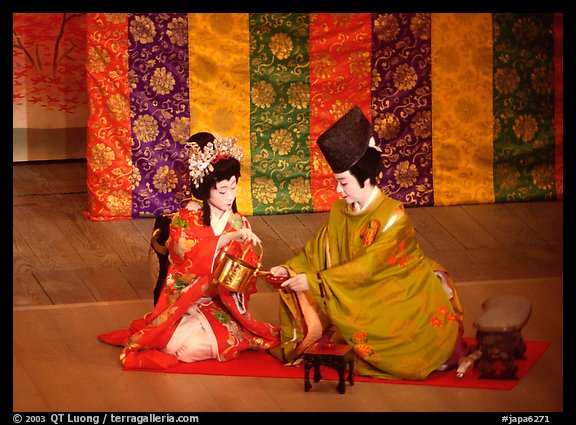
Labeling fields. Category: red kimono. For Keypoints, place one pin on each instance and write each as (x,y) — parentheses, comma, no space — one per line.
(192,250)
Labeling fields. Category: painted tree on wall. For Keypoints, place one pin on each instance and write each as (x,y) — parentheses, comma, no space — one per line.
(49,53)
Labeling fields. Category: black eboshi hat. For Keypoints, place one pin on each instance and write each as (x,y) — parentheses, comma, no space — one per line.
(346,141)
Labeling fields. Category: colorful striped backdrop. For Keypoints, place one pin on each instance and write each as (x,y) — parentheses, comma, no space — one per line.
(467,108)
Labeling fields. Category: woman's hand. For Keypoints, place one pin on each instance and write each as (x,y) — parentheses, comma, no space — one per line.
(241,235)
(245,235)
(297,283)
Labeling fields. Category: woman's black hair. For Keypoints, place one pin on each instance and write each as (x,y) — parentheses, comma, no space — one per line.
(367,167)
(224,169)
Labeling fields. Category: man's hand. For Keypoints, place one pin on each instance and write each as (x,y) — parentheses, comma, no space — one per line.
(298,283)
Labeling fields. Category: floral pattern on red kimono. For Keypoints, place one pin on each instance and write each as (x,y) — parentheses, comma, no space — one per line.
(192,247)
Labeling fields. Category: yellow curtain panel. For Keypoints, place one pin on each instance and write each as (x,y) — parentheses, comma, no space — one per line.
(462,113)
(466,107)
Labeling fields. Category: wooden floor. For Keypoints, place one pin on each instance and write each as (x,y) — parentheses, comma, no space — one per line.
(74,278)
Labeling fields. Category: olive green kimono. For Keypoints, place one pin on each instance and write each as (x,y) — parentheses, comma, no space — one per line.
(370,280)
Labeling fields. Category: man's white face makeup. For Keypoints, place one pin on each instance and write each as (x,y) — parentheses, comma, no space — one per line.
(350,190)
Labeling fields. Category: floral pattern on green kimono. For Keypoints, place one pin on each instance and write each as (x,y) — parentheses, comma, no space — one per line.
(370,279)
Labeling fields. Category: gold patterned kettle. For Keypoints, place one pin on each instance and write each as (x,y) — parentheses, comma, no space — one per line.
(235,273)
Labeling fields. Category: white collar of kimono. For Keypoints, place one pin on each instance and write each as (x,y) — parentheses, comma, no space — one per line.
(218,224)
(373,195)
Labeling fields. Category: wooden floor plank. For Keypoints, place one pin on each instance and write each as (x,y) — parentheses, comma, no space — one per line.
(30,178)
(462,265)
(290,230)
(18,185)
(432,231)
(544,218)
(24,388)
(468,231)
(50,177)
(46,240)
(276,250)
(70,179)
(144,225)
(26,290)
(98,242)
(47,359)
(24,260)
(523,261)
(503,225)
(64,286)
(198,397)
(244,401)
(498,263)
(107,284)
(313,221)
(90,242)
(139,276)
(539,260)
(131,247)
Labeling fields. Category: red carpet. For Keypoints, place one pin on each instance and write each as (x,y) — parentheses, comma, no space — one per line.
(259,364)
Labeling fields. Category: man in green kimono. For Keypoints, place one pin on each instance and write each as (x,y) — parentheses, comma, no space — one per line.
(364,280)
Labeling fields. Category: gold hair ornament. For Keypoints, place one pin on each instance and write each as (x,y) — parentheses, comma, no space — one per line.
(200,161)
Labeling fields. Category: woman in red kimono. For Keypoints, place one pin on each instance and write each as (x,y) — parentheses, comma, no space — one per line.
(195,319)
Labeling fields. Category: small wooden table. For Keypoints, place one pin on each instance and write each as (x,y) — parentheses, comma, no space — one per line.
(330,354)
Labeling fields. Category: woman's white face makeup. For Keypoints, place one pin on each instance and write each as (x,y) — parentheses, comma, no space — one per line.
(223,195)
(350,190)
